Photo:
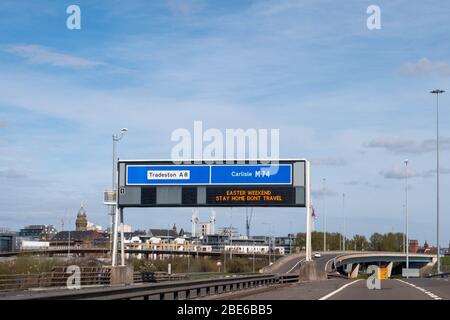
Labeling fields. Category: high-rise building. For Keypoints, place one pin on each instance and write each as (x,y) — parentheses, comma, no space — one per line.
(205,229)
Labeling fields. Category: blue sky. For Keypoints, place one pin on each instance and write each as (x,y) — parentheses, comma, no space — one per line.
(352,100)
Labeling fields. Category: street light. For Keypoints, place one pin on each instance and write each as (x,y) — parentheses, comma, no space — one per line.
(437,92)
(324,217)
(343,213)
(406,217)
(114,222)
(404,230)
(231,233)
(269,236)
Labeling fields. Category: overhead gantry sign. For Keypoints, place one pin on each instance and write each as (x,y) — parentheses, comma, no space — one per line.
(160,183)
(164,184)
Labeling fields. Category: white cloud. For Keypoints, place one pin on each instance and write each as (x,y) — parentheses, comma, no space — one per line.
(10,173)
(400,173)
(185,7)
(362,183)
(323,192)
(277,7)
(407,146)
(425,66)
(329,161)
(37,54)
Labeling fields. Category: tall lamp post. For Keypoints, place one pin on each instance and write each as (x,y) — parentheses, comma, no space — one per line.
(324,217)
(404,230)
(437,92)
(269,236)
(406,217)
(115,138)
(343,214)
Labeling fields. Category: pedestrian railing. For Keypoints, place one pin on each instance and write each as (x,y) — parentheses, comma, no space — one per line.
(150,277)
(58,277)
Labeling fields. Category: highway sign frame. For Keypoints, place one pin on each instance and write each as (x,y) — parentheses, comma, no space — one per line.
(300,178)
(284,187)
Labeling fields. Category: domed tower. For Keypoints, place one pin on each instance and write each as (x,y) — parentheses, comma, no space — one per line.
(81,222)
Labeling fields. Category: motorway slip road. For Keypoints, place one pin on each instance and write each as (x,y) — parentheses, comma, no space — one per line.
(342,289)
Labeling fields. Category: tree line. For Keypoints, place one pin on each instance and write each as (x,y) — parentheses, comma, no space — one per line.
(334,241)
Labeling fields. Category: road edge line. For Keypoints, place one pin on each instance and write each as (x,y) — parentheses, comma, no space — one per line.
(428,293)
(338,290)
(295,266)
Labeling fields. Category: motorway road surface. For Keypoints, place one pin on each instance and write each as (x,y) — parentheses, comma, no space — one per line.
(343,289)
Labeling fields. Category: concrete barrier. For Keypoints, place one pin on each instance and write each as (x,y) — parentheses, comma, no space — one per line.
(310,272)
(122,275)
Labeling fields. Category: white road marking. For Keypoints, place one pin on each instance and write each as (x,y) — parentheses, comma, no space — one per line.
(428,293)
(338,290)
(295,266)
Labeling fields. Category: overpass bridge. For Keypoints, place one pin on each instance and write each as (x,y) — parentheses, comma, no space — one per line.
(330,261)
(359,261)
(332,264)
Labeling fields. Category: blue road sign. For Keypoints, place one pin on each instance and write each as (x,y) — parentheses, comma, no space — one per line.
(275,174)
(168,175)
(251,174)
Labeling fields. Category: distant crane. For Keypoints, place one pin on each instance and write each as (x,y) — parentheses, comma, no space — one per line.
(248,221)
(194,220)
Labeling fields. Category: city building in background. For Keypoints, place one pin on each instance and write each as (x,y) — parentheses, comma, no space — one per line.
(28,245)
(7,240)
(413,246)
(81,223)
(228,231)
(80,239)
(164,234)
(205,229)
(38,232)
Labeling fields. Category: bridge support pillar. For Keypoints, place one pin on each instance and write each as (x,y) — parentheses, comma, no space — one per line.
(354,273)
(389,269)
(310,272)
(121,275)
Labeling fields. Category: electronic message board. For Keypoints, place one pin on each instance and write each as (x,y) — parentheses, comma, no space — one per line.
(165,184)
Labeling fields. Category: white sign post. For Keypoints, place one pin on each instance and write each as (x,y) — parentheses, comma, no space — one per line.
(308,210)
